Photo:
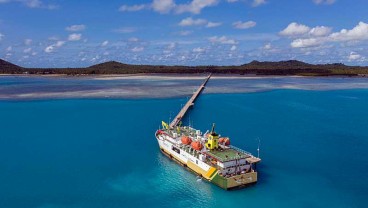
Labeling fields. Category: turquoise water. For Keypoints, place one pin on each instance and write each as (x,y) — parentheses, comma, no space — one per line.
(72,153)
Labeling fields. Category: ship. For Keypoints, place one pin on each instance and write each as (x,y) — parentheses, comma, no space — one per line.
(209,155)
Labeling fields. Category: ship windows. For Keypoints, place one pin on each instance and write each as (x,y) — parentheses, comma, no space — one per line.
(197,162)
(175,149)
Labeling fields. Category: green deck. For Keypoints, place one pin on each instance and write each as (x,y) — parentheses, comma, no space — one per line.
(226,154)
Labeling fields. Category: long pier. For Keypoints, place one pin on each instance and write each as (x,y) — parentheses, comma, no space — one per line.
(190,103)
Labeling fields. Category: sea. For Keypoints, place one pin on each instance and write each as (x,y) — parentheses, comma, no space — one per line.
(88,142)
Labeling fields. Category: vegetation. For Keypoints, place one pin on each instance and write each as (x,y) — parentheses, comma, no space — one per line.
(291,67)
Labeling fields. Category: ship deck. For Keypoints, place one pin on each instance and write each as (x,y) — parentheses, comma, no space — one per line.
(227,154)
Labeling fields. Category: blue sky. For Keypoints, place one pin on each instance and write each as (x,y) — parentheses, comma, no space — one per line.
(56,33)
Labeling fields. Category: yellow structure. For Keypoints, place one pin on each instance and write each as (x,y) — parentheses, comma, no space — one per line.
(212,142)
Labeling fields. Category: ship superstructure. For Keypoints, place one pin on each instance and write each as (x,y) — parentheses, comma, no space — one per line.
(209,155)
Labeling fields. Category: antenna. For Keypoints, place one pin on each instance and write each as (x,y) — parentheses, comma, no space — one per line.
(259,144)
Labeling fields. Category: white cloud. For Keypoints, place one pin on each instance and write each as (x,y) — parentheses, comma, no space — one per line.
(105,43)
(75,28)
(27,42)
(51,48)
(190,22)
(258,2)
(358,33)
(195,6)
(27,50)
(137,49)
(268,46)
(222,40)
(133,8)
(1,36)
(320,31)
(295,29)
(213,24)
(133,39)
(324,1)
(233,48)
(232,1)
(75,37)
(244,25)
(199,50)
(353,56)
(9,48)
(307,42)
(163,6)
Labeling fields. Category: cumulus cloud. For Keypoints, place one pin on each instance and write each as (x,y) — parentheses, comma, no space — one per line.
(191,22)
(163,6)
(51,48)
(27,50)
(244,25)
(320,31)
(233,48)
(320,35)
(75,37)
(1,36)
(358,33)
(75,28)
(195,6)
(222,40)
(258,2)
(133,8)
(295,29)
(105,43)
(324,1)
(137,49)
(353,56)
(213,24)
(125,30)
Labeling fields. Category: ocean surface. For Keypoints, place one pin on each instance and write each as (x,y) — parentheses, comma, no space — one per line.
(61,148)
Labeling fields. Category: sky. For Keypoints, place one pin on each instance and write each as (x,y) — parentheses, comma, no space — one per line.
(69,33)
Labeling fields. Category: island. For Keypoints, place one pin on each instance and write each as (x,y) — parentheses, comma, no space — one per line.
(290,67)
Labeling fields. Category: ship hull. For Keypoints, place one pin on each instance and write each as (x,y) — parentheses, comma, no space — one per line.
(205,171)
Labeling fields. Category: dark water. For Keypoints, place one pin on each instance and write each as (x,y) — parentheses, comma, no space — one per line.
(73,153)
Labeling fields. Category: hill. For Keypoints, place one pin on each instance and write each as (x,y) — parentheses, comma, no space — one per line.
(290,67)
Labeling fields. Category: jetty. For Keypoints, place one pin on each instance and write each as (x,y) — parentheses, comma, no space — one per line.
(189,104)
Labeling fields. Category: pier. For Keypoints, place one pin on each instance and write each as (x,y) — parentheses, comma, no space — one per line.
(190,103)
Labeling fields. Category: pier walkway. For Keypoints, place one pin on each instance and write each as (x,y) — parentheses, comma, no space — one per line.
(190,103)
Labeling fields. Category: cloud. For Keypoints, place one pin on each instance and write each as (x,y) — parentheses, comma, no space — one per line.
(75,28)
(354,56)
(199,50)
(51,48)
(27,50)
(195,6)
(213,24)
(320,35)
(27,42)
(125,30)
(1,36)
(233,48)
(133,8)
(34,4)
(232,1)
(268,46)
(105,43)
(163,6)
(244,25)
(358,33)
(137,49)
(191,22)
(222,40)
(320,31)
(75,37)
(307,42)
(295,29)
(133,39)
(328,2)
(258,2)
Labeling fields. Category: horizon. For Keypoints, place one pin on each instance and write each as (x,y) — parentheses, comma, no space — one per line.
(55,33)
